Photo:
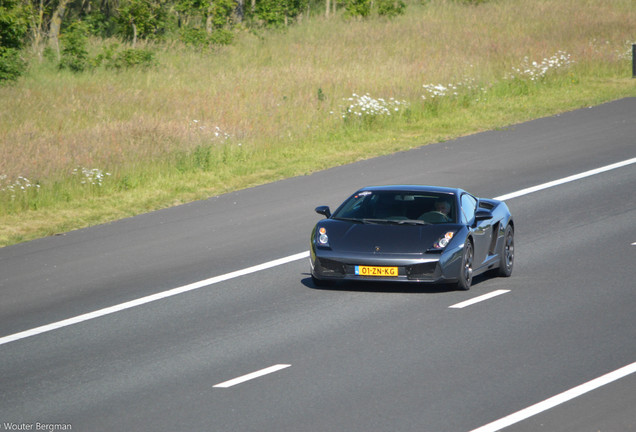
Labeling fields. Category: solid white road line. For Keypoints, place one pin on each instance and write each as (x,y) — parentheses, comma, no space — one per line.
(478,299)
(151,298)
(256,268)
(252,376)
(566,180)
(557,400)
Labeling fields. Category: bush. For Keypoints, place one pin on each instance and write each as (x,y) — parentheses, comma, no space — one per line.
(13,24)
(99,24)
(358,8)
(112,58)
(390,8)
(201,38)
(193,36)
(12,65)
(221,37)
(132,57)
(143,19)
(13,30)
(74,52)
(278,13)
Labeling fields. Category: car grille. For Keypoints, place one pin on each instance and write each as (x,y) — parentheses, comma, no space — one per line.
(326,267)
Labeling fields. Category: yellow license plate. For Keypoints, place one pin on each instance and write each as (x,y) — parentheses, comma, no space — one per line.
(376,271)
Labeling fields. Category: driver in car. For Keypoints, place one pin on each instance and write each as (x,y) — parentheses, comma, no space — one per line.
(443,207)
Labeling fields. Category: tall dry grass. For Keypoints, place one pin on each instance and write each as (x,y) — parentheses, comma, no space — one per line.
(262,92)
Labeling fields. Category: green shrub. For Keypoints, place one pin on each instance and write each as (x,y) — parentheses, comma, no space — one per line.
(133,57)
(106,56)
(12,65)
(13,24)
(74,52)
(112,57)
(221,36)
(143,19)
(13,31)
(278,13)
(99,24)
(193,36)
(201,38)
(390,8)
(358,8)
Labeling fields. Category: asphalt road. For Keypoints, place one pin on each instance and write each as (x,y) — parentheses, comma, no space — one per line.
(355,357)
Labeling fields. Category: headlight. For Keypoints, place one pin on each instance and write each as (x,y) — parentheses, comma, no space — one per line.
(323,238)
(444,240)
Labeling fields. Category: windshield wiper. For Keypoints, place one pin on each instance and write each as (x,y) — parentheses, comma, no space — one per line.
(348,219)
(396,221)
(376,221)
(412,222)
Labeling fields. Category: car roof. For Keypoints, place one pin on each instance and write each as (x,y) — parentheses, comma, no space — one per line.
(414,188)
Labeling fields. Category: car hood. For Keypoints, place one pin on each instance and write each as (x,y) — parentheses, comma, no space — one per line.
(383,238)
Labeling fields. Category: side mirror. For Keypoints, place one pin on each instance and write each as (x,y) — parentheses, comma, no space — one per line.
(324,210)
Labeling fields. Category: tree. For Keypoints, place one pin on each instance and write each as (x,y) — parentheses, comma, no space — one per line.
(391,8)
(74,53)
(218,14)
(56,24)
(207,22)
(277,13)
(240,10)
(13,24)
(330,7)
(142,18)
(358,8)
(13,30)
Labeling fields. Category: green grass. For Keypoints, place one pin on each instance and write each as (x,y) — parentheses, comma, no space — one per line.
(270,107)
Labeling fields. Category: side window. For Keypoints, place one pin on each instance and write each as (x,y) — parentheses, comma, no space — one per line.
(469,207)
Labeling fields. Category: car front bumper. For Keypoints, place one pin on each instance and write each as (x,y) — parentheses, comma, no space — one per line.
(426,268)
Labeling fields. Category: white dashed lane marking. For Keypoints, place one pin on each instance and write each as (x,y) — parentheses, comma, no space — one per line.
(252,376)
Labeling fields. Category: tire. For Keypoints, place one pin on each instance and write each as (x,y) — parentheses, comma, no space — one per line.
(507,260)
(465,278)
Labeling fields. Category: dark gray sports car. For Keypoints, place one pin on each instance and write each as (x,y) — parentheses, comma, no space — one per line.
(412,234)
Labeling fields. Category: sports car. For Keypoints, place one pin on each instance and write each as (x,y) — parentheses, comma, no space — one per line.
(416,234)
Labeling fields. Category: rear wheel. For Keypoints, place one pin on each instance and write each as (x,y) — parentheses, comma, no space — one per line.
(508,253)
(466,270)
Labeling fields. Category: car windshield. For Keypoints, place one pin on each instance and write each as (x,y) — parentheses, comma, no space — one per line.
(398,207)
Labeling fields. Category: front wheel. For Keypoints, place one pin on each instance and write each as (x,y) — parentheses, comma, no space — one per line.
(508,253)
(466,270)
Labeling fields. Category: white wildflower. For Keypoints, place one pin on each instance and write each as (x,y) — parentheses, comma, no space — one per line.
(432,91)
(535,70)
(215,132)
(368,106)
(93,176)
(21,184)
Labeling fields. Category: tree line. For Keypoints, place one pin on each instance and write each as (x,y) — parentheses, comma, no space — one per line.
(61,28)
